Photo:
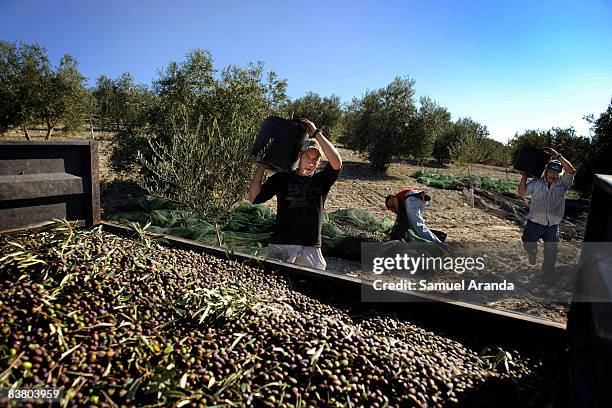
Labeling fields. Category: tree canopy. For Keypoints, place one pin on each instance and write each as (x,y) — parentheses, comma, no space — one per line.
(385,124)
(379,123)
(32,91)
(325,112)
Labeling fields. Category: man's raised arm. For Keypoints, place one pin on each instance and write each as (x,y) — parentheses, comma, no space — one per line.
(522,185)
(567,166)
(255,186)
(335,161)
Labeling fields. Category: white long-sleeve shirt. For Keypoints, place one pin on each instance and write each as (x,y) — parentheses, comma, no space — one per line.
(548,203)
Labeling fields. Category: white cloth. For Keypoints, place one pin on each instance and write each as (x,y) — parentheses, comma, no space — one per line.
(298,254)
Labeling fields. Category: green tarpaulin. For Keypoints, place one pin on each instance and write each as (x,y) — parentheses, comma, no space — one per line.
(248,227)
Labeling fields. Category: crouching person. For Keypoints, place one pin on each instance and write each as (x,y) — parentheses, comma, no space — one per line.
(301,199)
(409,205)
(546,211)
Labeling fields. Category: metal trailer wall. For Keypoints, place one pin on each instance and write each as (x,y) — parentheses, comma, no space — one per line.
(40,181)
(589,323)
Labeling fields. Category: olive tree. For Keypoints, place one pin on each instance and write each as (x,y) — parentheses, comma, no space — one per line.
(574,147)
(379,123)
(24,76)
(198,153)
(430,124)
(493,152)
(326,112)
(467,150)
(9,85)
(589,155)
(602,131)
(201,166)
(64,97)
(120,104)
(454,136)
(179,90)
(600,152)
(33,92)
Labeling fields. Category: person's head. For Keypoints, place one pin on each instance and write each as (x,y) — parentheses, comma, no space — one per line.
(309,158)
(391,202)
(553,170)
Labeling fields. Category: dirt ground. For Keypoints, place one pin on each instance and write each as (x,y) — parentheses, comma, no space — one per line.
(359,187)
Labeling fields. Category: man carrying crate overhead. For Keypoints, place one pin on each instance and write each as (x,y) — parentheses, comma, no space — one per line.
(300,202)
(546,210)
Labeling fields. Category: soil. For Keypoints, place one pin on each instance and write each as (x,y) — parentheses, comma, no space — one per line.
(359,187)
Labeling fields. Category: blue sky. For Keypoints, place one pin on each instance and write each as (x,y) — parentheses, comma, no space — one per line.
(511,65)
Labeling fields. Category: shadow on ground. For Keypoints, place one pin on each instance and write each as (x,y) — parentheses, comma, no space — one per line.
(541,389)
(115,195)
(362,171)
(430,164)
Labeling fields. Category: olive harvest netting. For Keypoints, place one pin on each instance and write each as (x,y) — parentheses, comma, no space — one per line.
(249,226)
(451,182)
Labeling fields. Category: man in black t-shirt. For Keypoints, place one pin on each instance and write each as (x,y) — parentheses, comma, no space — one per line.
(301,199)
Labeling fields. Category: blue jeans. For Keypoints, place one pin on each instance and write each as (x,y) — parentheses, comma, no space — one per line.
(415,207)
(550,235)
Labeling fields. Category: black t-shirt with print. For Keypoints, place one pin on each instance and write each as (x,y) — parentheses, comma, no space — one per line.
(300,203)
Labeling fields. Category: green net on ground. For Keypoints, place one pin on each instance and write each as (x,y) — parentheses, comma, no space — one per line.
(451,182)
(248,227)
(436,179)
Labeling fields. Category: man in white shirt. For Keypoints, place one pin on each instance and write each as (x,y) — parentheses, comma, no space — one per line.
(546,210)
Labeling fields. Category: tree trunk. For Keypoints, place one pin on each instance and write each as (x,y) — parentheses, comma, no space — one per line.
(91,128)
(25,131)
(49,129)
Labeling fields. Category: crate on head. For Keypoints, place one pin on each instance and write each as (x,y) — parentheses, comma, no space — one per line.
(530,160)
(40,181)
(279,142)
